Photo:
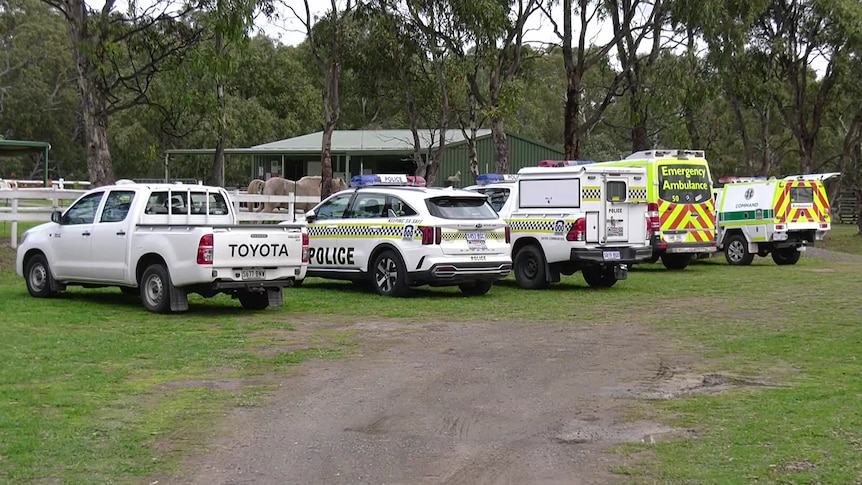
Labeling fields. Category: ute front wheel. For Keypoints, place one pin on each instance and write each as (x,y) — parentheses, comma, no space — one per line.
(155,288)
(254,300)
(599,277)
(40,283)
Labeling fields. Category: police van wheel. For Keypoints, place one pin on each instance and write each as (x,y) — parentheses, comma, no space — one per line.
(736,251)
(785,256)
(599,277)
(675,261)
(389,276)
(254,300)
(477,288)
(530,269)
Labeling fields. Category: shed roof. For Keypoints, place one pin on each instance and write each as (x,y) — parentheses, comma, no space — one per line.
(367,140)
(11,148)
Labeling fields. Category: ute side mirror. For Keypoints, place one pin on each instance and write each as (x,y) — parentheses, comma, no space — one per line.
(56,216)
(310,216)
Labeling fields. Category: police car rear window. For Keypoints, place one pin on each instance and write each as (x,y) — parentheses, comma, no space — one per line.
(460,208)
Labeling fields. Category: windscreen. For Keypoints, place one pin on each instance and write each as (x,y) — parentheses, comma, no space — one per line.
(460,208)
(683,183)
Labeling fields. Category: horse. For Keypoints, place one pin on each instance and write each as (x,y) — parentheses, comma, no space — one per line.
(306,186)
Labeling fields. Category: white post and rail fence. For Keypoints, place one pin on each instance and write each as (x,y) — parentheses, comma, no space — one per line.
(37,204)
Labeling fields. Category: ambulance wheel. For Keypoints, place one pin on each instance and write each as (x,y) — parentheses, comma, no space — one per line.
(389,275)
(785,256)
(477,288)
(653,259)
(530,270)
(675,261)
(736,251)
(254,300)
(599,277)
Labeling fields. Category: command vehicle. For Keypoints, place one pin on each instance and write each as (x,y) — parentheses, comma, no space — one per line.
(162,242)
(393,233)
(679,194)
(759,216)
(576,218)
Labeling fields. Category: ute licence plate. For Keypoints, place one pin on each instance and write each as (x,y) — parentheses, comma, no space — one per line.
(252,274)
(611,255)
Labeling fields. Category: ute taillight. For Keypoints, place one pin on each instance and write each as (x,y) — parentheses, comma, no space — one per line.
(205,249)
(652,215)
(305,251)
(508,234)
(431,235)
(578,232)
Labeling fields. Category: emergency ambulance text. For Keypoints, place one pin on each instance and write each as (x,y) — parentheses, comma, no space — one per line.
(331,255)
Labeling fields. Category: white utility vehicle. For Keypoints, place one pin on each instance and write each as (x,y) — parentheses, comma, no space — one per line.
(162,242)
(574,218)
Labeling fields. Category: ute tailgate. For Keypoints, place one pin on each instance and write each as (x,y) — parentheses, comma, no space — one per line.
(257,247)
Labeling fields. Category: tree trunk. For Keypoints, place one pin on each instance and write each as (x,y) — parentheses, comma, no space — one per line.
(331,114)
(501,146)
(326,161)
(640,137)
(765,140)
(691,127)
(743,134)
(218,157)
(93,101)
(572,120)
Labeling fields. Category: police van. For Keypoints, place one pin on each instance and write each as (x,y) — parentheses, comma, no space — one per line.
(575,218)
(393,233)
(760,216)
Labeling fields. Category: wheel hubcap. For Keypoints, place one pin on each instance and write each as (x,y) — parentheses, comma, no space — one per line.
(735,251)
(38,276)
(154,290)
(386,275)
(531,268)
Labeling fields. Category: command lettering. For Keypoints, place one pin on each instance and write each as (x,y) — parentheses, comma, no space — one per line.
(263,250)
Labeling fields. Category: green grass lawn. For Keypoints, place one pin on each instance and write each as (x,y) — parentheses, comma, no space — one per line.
(844,238)
(93,389)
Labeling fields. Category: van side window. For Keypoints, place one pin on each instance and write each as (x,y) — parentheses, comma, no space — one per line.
(617,191)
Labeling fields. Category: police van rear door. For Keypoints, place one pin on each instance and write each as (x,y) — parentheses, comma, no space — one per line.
(623,218)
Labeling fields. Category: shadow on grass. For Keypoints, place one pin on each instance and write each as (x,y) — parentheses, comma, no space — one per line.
(118,300)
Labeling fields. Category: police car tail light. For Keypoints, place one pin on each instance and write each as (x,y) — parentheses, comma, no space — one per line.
(652,213)
(431,235)
(578,232)
(305,251)
(508,234)
(205,249)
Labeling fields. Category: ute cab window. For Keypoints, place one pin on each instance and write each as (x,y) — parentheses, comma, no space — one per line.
(117,206)
(83,211)
(461,208)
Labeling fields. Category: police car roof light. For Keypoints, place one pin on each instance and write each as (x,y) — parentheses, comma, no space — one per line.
(564,163)
(490,178)
(387,179)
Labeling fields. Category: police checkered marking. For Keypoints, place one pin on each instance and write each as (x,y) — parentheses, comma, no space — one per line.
(541,225)
(454,236)
(591,193)
(637,193)
(395,231)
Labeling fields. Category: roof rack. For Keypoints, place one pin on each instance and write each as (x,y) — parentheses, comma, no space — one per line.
(673,152)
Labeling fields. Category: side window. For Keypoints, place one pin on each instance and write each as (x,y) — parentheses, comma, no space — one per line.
(617,191)
(214,200)
(333,208)
(84,211)
(117,206)
(398,207)
(497,197)
(368,206)
(179,203)
(156,204)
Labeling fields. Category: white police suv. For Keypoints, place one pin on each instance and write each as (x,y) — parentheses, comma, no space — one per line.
(392,232)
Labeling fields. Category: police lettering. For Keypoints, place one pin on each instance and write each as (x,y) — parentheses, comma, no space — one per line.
(331,255)
(254,250)
(615,211)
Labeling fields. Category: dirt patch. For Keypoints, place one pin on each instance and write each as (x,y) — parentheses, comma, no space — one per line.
(678,382)
(447,403)
(834,256)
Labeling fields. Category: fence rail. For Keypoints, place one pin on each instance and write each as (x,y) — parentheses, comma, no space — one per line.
(36,205)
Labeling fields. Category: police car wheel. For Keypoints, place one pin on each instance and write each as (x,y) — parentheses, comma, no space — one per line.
(736,251)
(254,300)
(477,288)
(389,276)
(599,277)
(530,270)
(785,256)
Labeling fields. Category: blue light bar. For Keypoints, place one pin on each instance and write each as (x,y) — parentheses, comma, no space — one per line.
(491,178)
(387,179)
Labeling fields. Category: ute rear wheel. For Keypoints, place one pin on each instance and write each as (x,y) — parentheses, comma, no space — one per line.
(736,251)
(599,276)
(675,261)
(254,300)
(389,277)
(477,288)
(785,256)
(530,268)
(39,279)
(155,288)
